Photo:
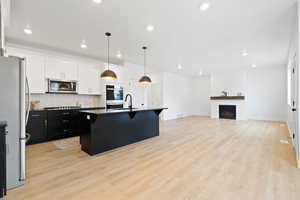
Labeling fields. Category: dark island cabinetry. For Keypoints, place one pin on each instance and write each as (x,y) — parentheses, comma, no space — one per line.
(104,130)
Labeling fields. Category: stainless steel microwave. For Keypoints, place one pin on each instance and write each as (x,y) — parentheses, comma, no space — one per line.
(58,86)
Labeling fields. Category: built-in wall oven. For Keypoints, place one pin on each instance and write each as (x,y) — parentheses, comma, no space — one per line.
(114,97)
(59,86)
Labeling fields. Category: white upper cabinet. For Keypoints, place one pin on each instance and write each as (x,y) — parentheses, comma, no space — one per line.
(57,68)
(89,79)
(35,69)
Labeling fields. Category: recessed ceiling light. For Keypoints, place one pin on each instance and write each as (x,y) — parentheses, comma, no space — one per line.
(83,45)
(254,66)
(27,31)
(179,66)
(119,55)
(205,6)
(245,53)
(150,28)
(97,1)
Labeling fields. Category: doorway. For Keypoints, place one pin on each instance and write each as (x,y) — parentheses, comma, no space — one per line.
(293,103)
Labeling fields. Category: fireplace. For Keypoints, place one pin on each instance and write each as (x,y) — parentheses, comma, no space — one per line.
(227,112)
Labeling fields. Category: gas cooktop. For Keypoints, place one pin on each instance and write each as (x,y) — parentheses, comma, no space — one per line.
(63,108)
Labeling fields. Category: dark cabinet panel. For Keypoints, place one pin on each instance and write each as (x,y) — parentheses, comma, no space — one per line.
(62,124)
(54,125)
(109,131)
(46,125)
(36,127)
(2,161)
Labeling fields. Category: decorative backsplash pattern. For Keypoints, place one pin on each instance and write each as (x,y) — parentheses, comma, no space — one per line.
(53,100)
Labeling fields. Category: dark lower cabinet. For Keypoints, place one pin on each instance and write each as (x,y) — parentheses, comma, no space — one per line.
(62,124)
(50,125)
(2,159)
(46,125)
(36,127)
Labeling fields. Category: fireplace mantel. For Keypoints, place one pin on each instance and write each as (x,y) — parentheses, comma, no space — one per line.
(227,98)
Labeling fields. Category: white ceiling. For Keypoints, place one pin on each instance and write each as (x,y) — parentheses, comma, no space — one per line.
(207,41)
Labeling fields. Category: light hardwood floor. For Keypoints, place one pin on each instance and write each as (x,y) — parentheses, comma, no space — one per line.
(193,159)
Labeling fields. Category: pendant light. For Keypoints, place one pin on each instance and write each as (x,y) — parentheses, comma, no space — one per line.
(145,79)
(108,74)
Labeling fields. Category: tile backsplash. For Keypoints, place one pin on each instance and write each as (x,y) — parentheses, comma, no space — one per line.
(52,100)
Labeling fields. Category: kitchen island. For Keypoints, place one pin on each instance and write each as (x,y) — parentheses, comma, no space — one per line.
(104,130)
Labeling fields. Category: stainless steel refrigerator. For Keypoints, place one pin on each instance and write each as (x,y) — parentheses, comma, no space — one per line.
(14,101)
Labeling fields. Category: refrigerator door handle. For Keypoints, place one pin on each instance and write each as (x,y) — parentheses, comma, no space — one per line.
(28,136)
(28,100)
(22,175)
(22,157)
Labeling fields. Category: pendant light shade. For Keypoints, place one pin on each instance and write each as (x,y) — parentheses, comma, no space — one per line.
(108,74)
(145,79)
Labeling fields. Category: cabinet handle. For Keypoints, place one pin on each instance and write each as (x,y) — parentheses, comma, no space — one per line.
(66,113)
(66,121)
(35,115)
(46,123)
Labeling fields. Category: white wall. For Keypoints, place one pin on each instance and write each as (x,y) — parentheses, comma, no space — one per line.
(177,98)
(202,90)
(232,82)
(182,95)
(155,92)
(264,89)
(267,94)
(133,73)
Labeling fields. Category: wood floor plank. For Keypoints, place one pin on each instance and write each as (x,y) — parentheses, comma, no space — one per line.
(194,158)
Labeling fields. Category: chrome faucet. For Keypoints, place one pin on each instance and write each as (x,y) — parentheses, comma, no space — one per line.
(129,95)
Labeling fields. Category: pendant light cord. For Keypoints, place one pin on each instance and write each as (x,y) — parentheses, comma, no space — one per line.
(108,52)
(145,60)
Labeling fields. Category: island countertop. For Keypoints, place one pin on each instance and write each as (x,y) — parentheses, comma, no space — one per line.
(115,111)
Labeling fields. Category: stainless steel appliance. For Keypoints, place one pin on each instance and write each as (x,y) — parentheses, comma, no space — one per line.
(114,96)
(14,92)
(63,108)
(59,86)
